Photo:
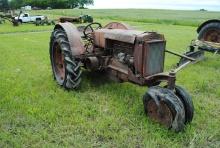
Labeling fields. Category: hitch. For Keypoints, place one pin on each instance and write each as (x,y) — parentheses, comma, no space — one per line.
(197,50)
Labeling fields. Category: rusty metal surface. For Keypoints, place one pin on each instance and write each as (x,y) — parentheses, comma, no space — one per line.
(181,55)
(154,56)
(160,77)
(212,35)
(117,25)
(74,38)
(166,102)
(116,75)
(127,36)
(118,66)
(138,56)
(92,63)
(161,114)
(98,38)
(149,36)
(68,19)
(134,56)
(59,66)
(149,53)
(198,55)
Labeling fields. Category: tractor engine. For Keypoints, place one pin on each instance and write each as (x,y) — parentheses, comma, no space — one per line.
(123,52)
(132,53)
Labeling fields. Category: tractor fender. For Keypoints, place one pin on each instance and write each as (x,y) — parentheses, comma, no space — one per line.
(207,22)
(118,25)
(74,38)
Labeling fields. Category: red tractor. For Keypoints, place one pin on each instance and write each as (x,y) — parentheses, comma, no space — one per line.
(125,55)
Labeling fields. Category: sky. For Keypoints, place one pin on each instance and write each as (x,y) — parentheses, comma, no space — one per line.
(212,5)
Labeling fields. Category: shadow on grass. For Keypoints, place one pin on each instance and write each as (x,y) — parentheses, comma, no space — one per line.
(95,80)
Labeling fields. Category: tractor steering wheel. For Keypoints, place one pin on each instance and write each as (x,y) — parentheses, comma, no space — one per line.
(89,29)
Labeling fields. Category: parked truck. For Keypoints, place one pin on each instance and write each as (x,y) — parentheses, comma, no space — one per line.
(26,18)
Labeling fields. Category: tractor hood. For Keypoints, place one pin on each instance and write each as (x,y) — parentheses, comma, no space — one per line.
(127,36)
(122,35)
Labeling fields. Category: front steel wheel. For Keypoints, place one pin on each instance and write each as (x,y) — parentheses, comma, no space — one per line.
(66,69)
(163,106)
(165,116)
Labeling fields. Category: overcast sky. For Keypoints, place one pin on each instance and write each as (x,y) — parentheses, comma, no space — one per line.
(159,4)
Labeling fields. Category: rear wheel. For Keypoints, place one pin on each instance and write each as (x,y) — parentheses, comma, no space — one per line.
(66,70)
(164,107)
(210,32)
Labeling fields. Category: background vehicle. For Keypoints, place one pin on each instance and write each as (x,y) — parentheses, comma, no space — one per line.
(80,19)
(25,18)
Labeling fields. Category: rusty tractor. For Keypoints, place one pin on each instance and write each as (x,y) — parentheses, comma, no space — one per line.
(80,19)
(208,41)
(44,22)
(125,55)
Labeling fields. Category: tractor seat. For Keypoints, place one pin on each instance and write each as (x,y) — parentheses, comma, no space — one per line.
(127,36)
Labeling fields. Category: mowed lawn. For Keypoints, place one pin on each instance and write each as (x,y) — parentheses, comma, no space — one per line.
(36,112)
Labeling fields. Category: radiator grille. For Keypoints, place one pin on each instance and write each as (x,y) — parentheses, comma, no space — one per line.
(154,53)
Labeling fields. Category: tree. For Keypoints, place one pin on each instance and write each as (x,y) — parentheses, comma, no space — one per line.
(59,4)
(4,5)
(82,3)
(56,4)
(73,3)
(16,4)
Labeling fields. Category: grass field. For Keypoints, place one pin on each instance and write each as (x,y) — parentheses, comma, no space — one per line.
(36,112)
(186,18)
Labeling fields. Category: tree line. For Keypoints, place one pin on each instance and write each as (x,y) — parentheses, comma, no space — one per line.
(55,4)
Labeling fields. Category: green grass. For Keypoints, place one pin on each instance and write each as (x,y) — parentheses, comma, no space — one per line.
(36,112)
(186,18)
(7,27)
